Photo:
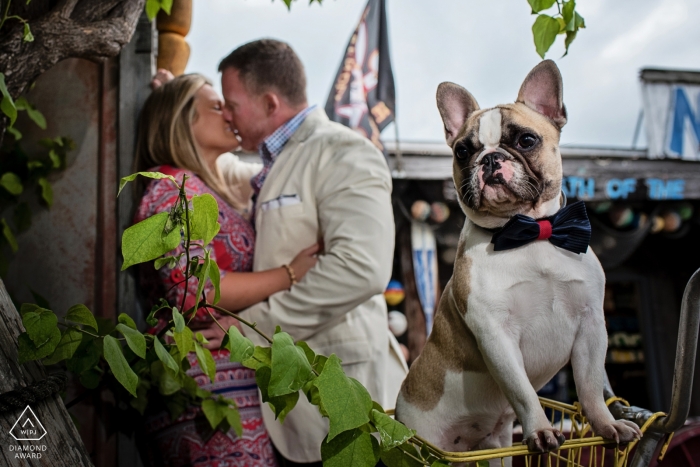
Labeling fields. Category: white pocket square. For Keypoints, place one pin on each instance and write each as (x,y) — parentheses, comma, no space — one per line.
(280,201)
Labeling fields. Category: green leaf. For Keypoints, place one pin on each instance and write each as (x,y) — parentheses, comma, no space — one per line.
(9,236)
(168,383)
(86,357)
(215,277)
(155,175)
(392,432)
(126,320)
(22,217)
(36,116)
(119,366)
(262,356)
(31,165)
(580,22)
(90,378)
(396,458)
(213,412)
(40,325)
(290,368)
(206,361)
(7,105)
(46,191)
(27,307)
(55,159)
(201,274)
(184,341)
(570,36)
(16,134)
(281,405)
(134,339)
(170,261)
(540,5)
(80,314)
(152,9)
(310,354)
(27,35)
(567,13)
(240,347)
(233,417)
(165,356)
(145,241)
(69,343)
(178,320)
(205,218)
(30,351)
(544,31)
(12,183)
(481,464)
(356,448)
(166,5)
(345,400)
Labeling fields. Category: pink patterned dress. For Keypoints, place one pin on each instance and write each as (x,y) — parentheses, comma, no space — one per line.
(186,442)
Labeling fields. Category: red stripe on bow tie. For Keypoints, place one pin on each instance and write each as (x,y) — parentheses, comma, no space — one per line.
(545,230)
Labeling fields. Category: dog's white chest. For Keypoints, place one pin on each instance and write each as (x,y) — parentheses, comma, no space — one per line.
(537,294)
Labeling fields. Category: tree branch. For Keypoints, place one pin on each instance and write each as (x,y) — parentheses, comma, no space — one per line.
(65,8)
(57,37)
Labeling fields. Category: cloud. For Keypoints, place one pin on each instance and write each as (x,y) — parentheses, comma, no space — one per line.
(667,15)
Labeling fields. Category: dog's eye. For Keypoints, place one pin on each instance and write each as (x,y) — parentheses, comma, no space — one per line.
(461,152)
(527,141)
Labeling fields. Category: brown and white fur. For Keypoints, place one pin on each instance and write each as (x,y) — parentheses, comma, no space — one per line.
(508,321)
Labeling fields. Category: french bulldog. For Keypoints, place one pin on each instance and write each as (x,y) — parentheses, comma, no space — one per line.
(510,319)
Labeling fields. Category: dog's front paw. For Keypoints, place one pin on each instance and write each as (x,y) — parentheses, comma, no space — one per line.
(544,440)
(621,431)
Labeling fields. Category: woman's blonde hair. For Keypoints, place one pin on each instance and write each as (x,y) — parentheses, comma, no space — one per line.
(165,132)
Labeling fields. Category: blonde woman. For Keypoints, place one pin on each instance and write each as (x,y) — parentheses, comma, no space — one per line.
(182,132)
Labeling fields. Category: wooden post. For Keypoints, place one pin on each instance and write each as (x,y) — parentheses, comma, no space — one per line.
(62,445)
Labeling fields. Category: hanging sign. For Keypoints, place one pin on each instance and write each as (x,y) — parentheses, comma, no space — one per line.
(672,113)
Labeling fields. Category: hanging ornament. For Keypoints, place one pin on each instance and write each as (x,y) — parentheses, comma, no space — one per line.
(420,210)
(439,212)
(621,216)
(657,224)
(397,323)
(672,221)
(394,293)
(686,211)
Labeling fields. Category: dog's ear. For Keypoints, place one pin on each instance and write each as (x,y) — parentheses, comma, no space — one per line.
(455,104)
(543,92)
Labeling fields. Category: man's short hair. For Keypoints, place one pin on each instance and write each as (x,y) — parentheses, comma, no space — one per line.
(269,64)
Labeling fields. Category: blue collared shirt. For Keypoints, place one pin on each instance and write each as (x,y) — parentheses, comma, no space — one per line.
(273,145)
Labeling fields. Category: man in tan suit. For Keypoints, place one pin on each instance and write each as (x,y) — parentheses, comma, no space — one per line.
(320,181)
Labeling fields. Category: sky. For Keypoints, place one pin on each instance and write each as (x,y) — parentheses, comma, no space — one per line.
(483,45)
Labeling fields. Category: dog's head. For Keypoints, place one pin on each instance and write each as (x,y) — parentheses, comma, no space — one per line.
(506,159)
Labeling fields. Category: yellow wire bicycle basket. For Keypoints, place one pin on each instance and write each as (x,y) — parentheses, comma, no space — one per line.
(581,449)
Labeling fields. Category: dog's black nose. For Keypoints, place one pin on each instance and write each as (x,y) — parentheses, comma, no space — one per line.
(490,161)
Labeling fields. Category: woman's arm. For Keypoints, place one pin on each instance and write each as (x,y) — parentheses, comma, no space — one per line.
(240,290)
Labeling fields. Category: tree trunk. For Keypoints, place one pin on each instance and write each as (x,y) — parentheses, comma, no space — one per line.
(89,29)
(62,445)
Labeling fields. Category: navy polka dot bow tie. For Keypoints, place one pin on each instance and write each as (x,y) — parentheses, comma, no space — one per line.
(569,228)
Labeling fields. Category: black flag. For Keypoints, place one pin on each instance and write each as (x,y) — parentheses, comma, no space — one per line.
(363,96)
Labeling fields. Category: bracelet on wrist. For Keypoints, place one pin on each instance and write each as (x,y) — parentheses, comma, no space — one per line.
(292,276)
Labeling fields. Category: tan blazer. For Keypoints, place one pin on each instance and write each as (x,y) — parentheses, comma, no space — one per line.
(336,186)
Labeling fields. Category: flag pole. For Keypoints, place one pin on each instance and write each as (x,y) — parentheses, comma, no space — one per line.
(398,171)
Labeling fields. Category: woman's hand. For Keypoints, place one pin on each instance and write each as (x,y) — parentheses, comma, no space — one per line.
(162,76)
(305,260)
(213,333)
